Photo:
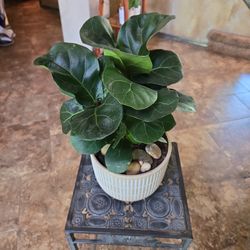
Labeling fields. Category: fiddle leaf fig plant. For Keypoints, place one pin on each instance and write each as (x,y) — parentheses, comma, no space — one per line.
(134,3)
(121,98)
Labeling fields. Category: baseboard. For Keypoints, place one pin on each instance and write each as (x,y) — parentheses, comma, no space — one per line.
(182,39)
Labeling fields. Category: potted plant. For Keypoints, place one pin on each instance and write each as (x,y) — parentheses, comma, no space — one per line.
(120,104)
(134,7)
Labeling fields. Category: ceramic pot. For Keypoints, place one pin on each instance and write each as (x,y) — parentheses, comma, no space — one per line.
(130,188)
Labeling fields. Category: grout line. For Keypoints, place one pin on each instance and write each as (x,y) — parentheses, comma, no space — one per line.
(241,100)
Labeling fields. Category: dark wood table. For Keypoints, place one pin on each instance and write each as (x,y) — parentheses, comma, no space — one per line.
(160,221)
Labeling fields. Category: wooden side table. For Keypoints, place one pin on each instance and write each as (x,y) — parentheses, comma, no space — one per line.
(160,221)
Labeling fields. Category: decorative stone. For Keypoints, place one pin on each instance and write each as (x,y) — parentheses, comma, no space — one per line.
(153,150)
(133,168)
(141,162)
(104,149)
(141,155)
(145,167)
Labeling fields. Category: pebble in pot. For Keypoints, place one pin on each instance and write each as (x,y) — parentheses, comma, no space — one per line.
(145,167)
(141,155)
(133,168)
(153,150)
(104,149)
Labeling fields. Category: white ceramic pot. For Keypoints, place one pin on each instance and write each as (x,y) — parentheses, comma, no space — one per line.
(130,188)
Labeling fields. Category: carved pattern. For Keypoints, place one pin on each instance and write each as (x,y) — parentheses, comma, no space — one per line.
(92,207)
(99,203)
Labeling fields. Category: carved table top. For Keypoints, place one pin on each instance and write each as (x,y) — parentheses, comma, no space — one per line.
(163,214)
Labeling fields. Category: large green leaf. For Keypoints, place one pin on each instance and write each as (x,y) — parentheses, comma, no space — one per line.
(86,147)
(166,69)
(120,134)
(136,32)
(127,92)
(98,122)
(145,132)
(75,70)
(166,104)
(97,32)
(117,159)
(129,63)
(116,59)
(186,103)
(68,110)
(168,122)
(135,64)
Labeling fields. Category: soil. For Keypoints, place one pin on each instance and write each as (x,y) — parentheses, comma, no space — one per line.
(156,162)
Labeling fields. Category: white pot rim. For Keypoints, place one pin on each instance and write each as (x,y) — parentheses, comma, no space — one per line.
(141,175)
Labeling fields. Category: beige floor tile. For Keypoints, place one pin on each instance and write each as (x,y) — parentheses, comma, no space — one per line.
(38,165)
(245,98)
(8,240)
(9,204)
(24,150)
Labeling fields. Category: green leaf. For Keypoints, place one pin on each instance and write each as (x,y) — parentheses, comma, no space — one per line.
(120,134)
(145,132)
(135,64)
(68,110)
(186,103)
(86,147)
(134,3)
(117,159)
(131,139)
(136,32)
(105,61)
(75,70)
(127,92)
(168,122)
(117,60)
(97,32)
(166,104)
(98,122)
(166,70)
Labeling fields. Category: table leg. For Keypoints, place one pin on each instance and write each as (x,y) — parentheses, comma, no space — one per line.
(186,243)
(70,240)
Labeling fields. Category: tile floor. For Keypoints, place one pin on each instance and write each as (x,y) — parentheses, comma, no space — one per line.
(38,165)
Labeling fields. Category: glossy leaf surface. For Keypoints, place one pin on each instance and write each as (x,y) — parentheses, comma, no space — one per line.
(166,104)
(117,159)
(186,103)
(166,70)
(68,110)
(116,59)
(120,134)
(86,147)
(130,63)
(135,64)
(137,31)
(97,32)
(75,70)
(145,132)
(127,92)
(168,122)
(98,122)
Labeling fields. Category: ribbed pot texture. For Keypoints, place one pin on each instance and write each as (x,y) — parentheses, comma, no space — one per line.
(130,188)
